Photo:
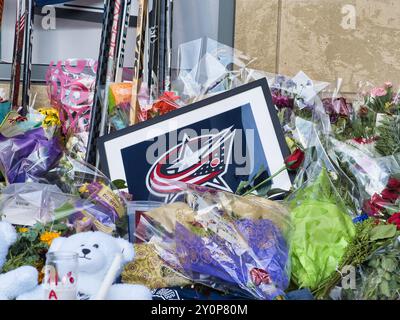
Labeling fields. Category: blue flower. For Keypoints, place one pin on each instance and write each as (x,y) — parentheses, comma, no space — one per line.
(291,84)
(360,218)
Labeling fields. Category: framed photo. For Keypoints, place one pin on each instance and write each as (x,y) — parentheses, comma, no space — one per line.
(217,142)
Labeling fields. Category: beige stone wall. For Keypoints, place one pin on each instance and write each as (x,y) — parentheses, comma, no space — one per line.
(320,38)
(41,91)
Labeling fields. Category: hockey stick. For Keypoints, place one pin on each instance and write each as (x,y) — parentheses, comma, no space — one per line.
(139,58)
(95,115)
(168,63)
(154,30)
(122,43)
(26,84)
(162,46)
(17,57)
(1,17)
(112,55)
(138,63)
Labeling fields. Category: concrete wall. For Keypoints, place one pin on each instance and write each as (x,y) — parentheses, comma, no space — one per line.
(353,39)
(42,99)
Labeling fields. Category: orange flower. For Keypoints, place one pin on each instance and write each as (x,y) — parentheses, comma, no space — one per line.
(48,237)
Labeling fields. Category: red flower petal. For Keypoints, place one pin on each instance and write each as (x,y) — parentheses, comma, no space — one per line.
(390,195)
(259,276)
(294,161)
(395,218)
(379,202)
(393,183)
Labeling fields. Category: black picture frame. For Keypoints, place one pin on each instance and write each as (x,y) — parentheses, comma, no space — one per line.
(121,136)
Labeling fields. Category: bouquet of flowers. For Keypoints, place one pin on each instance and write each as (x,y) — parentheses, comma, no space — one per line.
(32,245)
(230,243)
(27,148)
(363,177)
(372,122)
(46,184)
(120,103)
(71,91)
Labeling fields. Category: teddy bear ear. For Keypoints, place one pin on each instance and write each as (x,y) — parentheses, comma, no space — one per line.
(7,233)
(56,244)
(127,250)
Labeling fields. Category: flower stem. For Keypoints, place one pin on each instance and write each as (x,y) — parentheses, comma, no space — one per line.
(265,181)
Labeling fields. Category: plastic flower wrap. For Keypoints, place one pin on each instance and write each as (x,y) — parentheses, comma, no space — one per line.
(295,96)
(96,203)
(26,149)
(120,102)
(322,230)
(376,178)
(206,67)
(372,122)
(72,191)
(46,184)
(71,91)
(233,244)
(30,203)
(364,180)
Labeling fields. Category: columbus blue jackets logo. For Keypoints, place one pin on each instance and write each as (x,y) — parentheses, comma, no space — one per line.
(202,160)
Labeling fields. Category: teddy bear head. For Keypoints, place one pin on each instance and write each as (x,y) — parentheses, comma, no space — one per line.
(96,251)
(8,236)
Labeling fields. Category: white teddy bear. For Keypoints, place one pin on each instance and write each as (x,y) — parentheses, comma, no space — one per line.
(17,281)
(96,252)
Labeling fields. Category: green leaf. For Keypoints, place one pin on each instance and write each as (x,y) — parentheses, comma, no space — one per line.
(64,211)
(263,191)
(242,187)
(389,264)
(382,232)
(387,276)
(384,287)
(373,263)
(120,184)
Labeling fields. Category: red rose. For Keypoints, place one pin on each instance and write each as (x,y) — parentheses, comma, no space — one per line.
(374,205)
(378,201)
(162,107)
(294,161)
(370,209)
(393,183)
(365,140)
(390,195)
(166,103)
(170,95)
(395,219)
(259,276)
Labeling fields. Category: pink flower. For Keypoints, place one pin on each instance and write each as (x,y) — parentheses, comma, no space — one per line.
(378,92)
(281,101)
(388,85)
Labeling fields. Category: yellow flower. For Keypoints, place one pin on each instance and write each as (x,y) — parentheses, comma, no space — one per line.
(83,188)
(52,117)
(23,230)
(388,105)
(48,237)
